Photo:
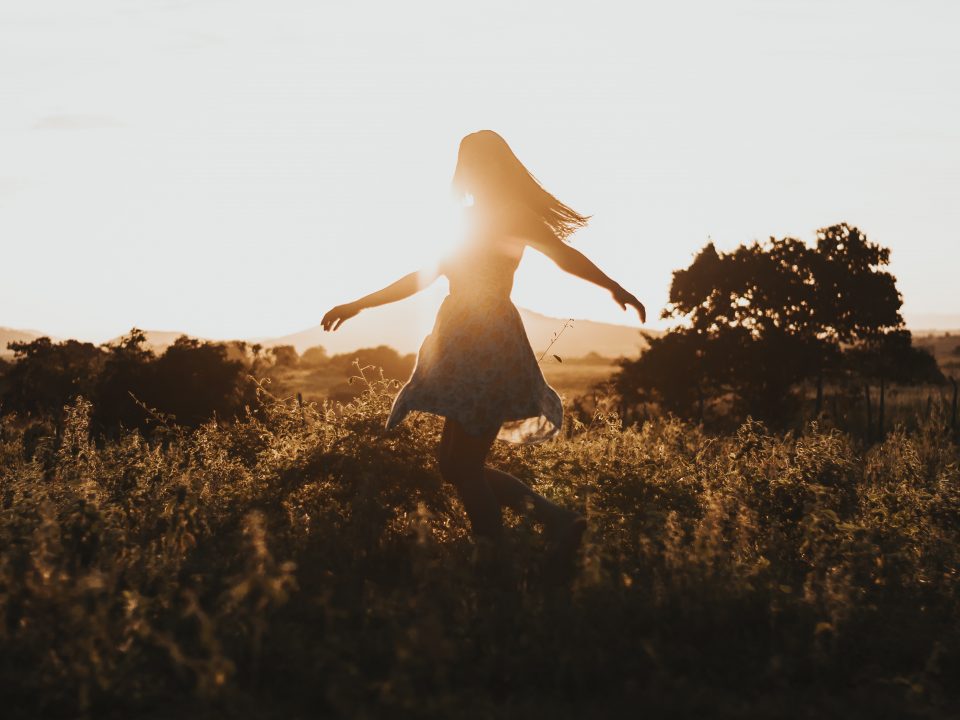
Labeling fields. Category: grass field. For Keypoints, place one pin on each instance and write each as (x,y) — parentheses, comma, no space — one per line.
(945,347)
(571,378)
(302,563)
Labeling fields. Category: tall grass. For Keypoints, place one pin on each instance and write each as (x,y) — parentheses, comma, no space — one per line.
(301,562)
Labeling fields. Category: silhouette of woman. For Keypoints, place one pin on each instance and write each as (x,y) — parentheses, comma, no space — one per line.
(476,368)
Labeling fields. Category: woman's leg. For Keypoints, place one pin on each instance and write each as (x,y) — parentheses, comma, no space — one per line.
(484,490)
(513,493)
(461,457)
(563,528)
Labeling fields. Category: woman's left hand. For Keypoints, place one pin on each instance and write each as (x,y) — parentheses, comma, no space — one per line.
(624,298)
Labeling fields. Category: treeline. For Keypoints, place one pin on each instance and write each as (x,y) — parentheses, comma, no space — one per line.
(189,383)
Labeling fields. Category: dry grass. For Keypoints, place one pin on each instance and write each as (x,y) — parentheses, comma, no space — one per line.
(303,563)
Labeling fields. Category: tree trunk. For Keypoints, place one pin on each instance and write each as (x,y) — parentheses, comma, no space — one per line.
(699,405)
(880,411)
(819,394)
(866,394)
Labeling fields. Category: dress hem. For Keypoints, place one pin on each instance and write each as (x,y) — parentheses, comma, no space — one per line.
(506,433)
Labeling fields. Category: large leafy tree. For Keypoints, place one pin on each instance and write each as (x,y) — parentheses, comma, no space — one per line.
(760,319)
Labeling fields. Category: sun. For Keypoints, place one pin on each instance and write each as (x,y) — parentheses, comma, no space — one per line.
(444,233)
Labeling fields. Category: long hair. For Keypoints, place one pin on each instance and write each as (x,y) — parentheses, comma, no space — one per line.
(487,166)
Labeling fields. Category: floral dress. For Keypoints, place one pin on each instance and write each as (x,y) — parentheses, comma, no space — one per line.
(476,365)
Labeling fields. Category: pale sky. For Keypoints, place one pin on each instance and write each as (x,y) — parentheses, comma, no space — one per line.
(233,168)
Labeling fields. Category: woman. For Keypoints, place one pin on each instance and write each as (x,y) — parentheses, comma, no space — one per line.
(477,368)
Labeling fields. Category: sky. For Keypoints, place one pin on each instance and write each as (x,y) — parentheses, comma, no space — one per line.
(232,168)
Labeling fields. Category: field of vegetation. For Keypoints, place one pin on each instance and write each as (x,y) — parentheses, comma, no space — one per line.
(323,378)
(300,562)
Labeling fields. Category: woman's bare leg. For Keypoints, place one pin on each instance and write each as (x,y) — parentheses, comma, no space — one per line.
(461,457)
(484,490)
(563,528)
(515,494)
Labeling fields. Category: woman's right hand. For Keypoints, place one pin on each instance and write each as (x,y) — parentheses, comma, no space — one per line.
(339,315)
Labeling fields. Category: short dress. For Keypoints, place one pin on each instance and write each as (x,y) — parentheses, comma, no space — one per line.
(476,366)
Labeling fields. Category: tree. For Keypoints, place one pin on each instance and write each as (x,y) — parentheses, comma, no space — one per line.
(284,356)
(394,364)
(315,356)
(670,372)
(45,375)
(765,317)
(195,381)
(126,372)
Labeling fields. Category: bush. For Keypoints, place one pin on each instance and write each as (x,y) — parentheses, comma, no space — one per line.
(285,356)
(314,357)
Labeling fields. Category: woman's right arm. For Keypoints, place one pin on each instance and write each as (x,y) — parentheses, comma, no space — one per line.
(402,288)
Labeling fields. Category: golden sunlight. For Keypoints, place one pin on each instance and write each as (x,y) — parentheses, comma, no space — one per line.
(378,359)
(442,233)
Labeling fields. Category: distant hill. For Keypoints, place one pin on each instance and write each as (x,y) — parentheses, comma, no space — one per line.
(405,325)
(944,346)
(9,335)
(932,323)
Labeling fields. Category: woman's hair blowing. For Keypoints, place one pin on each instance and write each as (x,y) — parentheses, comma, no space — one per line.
(486,163)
